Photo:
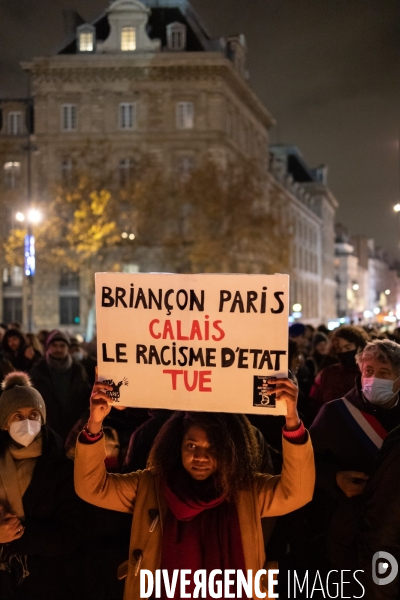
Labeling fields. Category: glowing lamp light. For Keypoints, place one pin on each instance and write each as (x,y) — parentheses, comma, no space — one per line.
(390,319)
(367,314)
(34,216)
(396,208)
(20,217)
(356,287)
(387,292)
(377,311)
(124,235)
(342,320)
(297,307)
(131,236)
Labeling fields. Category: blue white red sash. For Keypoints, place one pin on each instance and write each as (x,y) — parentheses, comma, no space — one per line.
(367,427)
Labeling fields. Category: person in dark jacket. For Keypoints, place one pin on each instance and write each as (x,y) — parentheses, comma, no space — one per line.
(17,352)
(347,434)
(334,381)
(379,529)
(41,518)
(63,383)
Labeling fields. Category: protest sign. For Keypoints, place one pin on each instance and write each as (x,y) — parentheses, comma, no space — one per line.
(193,342)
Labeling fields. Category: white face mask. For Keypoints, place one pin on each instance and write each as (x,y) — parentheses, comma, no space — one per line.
(378,391)
(24,432)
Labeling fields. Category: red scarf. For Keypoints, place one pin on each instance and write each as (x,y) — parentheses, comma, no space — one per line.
(200,533)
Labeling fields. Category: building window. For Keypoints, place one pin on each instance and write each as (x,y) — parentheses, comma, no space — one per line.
(12,174)
(12,309)
(128,39)
(14,123)
(13,277)
(130,268)
(66,171)
(86,41)
(176,36)
(127,115)
(68,117)
(185,115)
(69,310)
(184,166)
(125,169)
(69,281)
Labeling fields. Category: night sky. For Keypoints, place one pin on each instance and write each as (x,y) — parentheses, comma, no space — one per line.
(328,71)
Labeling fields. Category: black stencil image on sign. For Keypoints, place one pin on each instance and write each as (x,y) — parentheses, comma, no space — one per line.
(261,395)
(114,394)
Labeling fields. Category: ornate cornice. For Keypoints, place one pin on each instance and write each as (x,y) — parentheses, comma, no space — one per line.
(48,71)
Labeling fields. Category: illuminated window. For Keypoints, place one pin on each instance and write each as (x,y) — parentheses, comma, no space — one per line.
(68,117)
(14,123)
(86,41)
(127,115)
(176,36)
(185,115)
(12,173)
(128,39)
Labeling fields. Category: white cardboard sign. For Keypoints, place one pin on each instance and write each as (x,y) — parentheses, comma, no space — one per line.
(193,342)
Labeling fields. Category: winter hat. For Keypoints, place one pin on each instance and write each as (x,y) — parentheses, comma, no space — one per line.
(318,338)
(58,336)
(296,329)
(19,393)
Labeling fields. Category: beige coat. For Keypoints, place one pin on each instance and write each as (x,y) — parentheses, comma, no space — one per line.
(140,493)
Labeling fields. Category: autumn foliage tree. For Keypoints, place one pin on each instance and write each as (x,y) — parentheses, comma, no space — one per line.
(218,218)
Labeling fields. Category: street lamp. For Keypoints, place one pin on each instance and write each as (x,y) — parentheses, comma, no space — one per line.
(396,209)
(32,217)
(125,235)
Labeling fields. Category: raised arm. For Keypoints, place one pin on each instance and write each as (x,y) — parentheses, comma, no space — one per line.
(92,482)
(295,486)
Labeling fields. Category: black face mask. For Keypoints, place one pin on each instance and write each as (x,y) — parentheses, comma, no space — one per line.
(347,359)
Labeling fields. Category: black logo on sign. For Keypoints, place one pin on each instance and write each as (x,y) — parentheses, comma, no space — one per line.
(262,396)
(114,394)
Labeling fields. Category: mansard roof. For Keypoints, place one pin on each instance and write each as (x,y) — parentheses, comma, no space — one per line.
(162,13)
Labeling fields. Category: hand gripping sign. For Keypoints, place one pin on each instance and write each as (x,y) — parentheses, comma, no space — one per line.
(193,342)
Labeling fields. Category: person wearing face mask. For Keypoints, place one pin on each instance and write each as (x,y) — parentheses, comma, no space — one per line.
(347,434)
(88,362)
(41,518)
(334,381)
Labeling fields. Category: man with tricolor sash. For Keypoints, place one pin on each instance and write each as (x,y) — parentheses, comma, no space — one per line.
(347,434)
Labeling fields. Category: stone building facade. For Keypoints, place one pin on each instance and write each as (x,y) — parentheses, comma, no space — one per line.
(146,77)
(312,208)
(368,284)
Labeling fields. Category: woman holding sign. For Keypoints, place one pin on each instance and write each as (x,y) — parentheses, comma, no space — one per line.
(198,506)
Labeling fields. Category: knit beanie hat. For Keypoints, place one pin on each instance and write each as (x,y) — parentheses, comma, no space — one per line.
(19,393)
(58,336)
(318,338)
(297,329)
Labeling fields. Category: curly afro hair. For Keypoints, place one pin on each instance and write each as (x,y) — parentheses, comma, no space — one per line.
(234,442)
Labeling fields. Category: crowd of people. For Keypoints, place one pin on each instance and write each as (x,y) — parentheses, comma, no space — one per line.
(251,478)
